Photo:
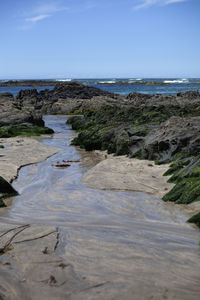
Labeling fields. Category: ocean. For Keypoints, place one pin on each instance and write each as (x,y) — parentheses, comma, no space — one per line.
(124,86)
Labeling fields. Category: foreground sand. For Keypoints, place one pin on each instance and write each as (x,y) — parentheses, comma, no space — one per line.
(19,152)
(93,256)
(25,256)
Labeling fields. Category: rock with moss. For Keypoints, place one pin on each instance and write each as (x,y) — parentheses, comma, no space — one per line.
(186,176)
(147,131)
(6,190)
(195,219)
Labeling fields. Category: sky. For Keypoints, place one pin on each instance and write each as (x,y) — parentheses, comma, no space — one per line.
(99,38)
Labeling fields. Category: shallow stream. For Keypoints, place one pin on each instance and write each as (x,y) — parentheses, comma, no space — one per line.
(139,246)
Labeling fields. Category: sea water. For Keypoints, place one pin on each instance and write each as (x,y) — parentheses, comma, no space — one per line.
(124,86)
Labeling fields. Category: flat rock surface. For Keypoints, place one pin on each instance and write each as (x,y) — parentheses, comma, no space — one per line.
(122,173)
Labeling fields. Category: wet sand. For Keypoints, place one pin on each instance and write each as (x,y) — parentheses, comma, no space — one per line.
(19,152)
(101,244)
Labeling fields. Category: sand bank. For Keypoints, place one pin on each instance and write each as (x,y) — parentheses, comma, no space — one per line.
(18,152)
(134,175)
(123,173)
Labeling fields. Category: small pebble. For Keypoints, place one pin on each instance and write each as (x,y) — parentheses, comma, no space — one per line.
(45,250)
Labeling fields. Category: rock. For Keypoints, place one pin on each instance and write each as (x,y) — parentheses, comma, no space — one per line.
(6,190)
(28,83)
(12,114)
(29,100)
(168,139)
(36,119)
(78,91)
(189,94)
(64,98)
(138,96)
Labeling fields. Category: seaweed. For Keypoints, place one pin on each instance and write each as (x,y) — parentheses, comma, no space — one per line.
(195,219)
(23,130)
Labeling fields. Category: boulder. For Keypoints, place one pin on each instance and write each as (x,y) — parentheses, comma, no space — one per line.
(12,114)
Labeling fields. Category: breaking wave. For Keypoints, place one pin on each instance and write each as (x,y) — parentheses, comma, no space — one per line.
(64,80)
(177,81)
(108,81)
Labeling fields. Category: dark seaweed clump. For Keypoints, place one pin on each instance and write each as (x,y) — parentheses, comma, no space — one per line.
(195,219)
(23,130)
(186,175)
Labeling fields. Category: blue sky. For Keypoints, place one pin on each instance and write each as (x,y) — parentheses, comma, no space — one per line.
(99,38)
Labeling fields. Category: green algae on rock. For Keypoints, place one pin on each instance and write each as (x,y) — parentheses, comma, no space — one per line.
(195,219)
(6,190)
(186,175)
(23,130)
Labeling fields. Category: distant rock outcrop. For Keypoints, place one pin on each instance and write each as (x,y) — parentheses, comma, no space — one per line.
(65,97)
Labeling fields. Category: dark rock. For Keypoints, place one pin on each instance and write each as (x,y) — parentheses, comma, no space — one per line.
(189,94)
(11,112)
(64,98)
(35,83)
(139,96)
(6,190)
(78,91)
(168,139)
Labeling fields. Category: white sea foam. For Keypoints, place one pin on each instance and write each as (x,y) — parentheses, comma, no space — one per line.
(134,79)
(108,81)
(64,80)
(183,80)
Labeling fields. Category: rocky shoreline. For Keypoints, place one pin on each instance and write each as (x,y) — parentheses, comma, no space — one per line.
(153,127)
(40,83)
